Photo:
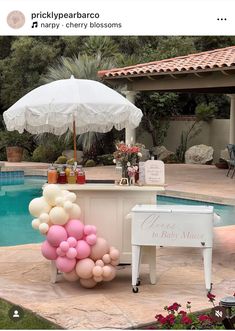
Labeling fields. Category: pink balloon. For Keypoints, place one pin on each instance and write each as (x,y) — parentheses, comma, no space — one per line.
(88,283)
(72,253)
(108,274)
(99,249)
(75,229)
(72,242)
(83,249)
(64,264)
(64,245)
(60,252)
(48,251)
(114,254)
(91,239)
(56,234)
(89,229)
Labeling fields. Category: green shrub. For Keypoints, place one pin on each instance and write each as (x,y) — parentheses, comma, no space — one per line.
(90,163)
(45,154)
(61,159)
(70,161)
(106,159)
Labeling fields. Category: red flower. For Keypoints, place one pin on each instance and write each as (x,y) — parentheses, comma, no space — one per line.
(211,297)
(186,320)
(170,319)
(158,316)
(174,307)
(203,318)
(182,312)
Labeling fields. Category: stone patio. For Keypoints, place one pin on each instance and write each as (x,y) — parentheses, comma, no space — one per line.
(25,277)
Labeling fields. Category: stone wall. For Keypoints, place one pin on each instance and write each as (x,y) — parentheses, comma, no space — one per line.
(215,134)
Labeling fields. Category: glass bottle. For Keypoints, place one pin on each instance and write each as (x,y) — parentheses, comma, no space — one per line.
(52,175)
(71,178)
(81,178)
(62,177)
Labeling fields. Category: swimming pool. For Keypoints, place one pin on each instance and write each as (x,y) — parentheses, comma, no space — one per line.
(15,220)
(227,212)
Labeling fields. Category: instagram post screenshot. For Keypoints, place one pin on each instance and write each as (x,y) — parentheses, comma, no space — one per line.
(117,164)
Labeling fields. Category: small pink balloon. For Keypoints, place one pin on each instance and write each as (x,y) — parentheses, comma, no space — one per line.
(90,229)
(64,245)
(75,229)
(114,254)
(72,253)
(98,279)
(110,274)
(107,271)
(71,276)
(72,242)
(60,252)
(83,249)
(64,264)
(48,251)
(91,239)
(114,262)
(97,271)
(106,258)
(99,263)
(56,234)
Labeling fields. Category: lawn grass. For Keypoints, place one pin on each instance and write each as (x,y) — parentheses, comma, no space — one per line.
(29,320)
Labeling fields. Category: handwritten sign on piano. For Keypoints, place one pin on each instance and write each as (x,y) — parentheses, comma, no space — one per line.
(154,172)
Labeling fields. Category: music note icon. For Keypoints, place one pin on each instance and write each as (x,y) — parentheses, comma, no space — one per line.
(35,25)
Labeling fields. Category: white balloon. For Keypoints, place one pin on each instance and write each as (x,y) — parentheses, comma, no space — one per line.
(59,201)
(71,197)
(43,228)
(75,212)
(65,193)
(38,206)
(58,216)
(51,192)
(35,223)
(44,218)
(68,205)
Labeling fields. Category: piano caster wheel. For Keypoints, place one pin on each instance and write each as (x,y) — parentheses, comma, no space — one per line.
(138,282)
(135,289)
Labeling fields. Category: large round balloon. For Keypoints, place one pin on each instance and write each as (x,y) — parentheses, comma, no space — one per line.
(51,192)
(84,268)
(56,234)
(88,283)
(38,206)
(75,229)
(48,251)
(99,249)
(64,264)
(58,216)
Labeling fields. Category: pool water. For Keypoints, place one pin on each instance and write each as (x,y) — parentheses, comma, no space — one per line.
(15,220)
(227,212)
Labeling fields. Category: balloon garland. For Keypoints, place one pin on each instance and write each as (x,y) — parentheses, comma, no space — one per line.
(77,251)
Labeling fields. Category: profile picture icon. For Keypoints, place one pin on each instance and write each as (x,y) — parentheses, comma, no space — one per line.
(15,19)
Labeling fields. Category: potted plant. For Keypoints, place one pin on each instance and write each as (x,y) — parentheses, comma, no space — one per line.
(15,143)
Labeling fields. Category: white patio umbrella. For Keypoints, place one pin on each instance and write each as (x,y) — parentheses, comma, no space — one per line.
(78,105)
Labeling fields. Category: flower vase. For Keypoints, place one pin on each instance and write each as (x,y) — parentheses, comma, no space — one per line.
(125,173)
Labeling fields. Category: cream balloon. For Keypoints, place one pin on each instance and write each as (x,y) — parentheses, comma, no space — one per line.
(75,212)
(44,218)
(88,283)
(106,258)
(107,271)
(35,223)
(97,271)
(110,275)
(68,205)
(114,254)
(114,262)
(99,263)
(43,228)
(71,197)
(58,216)
(99,249)
(59,201)
(71,276)
(38,206)
(51,192)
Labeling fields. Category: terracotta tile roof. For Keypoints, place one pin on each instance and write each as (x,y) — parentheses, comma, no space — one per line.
(218,58)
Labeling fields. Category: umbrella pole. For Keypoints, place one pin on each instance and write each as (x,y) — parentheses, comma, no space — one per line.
(74,142)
